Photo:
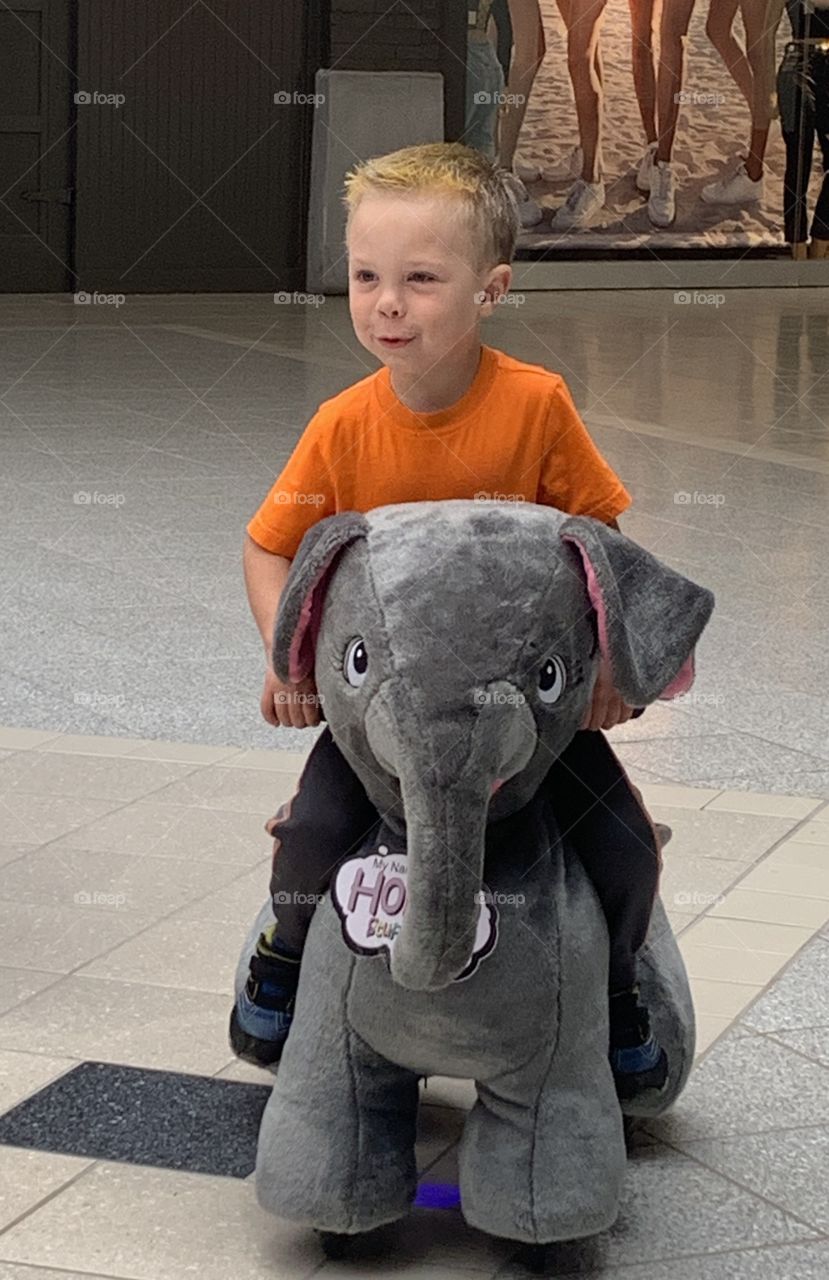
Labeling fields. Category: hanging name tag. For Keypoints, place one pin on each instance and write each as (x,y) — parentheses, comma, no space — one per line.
(369,894)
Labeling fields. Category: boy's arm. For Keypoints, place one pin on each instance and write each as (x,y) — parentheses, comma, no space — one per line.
(302,494)
(287,705)
(265,578)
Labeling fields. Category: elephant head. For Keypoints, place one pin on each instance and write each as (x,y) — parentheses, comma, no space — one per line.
(455,646)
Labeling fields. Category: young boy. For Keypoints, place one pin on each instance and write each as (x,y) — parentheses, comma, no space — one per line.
(431,234)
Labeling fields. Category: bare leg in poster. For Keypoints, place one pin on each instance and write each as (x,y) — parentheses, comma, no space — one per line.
(643,61)
(673,38)
(753,72)
(586,198)
(529,49)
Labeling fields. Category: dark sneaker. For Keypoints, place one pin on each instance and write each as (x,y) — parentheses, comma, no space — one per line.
(262,1016)
(637,1060)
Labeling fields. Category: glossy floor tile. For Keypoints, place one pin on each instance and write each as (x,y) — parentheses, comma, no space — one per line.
(138,624)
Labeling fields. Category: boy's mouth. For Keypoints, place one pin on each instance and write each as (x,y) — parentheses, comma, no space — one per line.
(395,342)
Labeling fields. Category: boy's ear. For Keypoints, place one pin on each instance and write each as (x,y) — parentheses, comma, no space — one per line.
(497,284)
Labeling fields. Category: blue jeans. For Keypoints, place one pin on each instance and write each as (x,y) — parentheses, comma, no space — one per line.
(484,81)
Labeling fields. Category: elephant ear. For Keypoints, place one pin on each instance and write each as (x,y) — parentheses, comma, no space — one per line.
(302,600)
(649,617)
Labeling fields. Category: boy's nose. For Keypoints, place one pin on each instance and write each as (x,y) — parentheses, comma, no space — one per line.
(390,305)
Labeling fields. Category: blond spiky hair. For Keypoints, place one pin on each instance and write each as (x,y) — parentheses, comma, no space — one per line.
(451,169)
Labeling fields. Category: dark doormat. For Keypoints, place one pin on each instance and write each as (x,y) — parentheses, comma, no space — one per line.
(139,1116)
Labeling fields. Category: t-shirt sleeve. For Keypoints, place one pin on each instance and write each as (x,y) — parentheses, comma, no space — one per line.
(574,475)
(302,493)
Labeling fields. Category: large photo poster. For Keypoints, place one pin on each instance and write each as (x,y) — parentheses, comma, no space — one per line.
(657,124)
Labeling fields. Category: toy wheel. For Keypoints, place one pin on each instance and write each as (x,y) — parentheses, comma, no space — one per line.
(538,1258)
(334,1243)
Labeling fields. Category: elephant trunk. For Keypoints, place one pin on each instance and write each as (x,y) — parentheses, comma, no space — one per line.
(446,796)
(446,834)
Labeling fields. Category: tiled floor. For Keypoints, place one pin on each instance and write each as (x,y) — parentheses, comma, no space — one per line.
(121,924)
(135,783)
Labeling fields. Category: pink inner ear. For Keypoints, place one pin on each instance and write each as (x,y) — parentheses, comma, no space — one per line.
(595,593)
(304,643)
(298,666)
(682,681)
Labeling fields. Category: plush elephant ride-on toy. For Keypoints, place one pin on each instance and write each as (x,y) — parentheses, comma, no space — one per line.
(455,645)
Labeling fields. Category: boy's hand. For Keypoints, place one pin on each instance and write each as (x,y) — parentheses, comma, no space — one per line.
(609,707)
(289,706)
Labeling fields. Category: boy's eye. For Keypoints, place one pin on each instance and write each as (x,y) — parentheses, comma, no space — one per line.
(361,275)
(421,276)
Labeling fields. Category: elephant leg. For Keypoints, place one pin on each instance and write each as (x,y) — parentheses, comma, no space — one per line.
(542,1156)
(337,1142)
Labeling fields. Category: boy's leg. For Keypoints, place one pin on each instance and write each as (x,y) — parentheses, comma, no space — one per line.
(603,816)
(328,817)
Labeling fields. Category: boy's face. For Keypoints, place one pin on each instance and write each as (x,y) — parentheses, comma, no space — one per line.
(411,276)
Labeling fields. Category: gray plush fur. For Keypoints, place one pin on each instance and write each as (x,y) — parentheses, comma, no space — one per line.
(461,605)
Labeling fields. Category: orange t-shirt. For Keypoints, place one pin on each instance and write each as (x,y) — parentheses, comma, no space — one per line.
(515,434)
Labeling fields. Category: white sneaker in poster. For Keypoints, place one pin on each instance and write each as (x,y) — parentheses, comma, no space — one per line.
(662,199)
(584,201)
(529,210)
(526,170)
(570,166)
(733,188)
(644,170)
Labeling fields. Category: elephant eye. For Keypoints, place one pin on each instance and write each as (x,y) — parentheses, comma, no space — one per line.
(356,662)
(551,680)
